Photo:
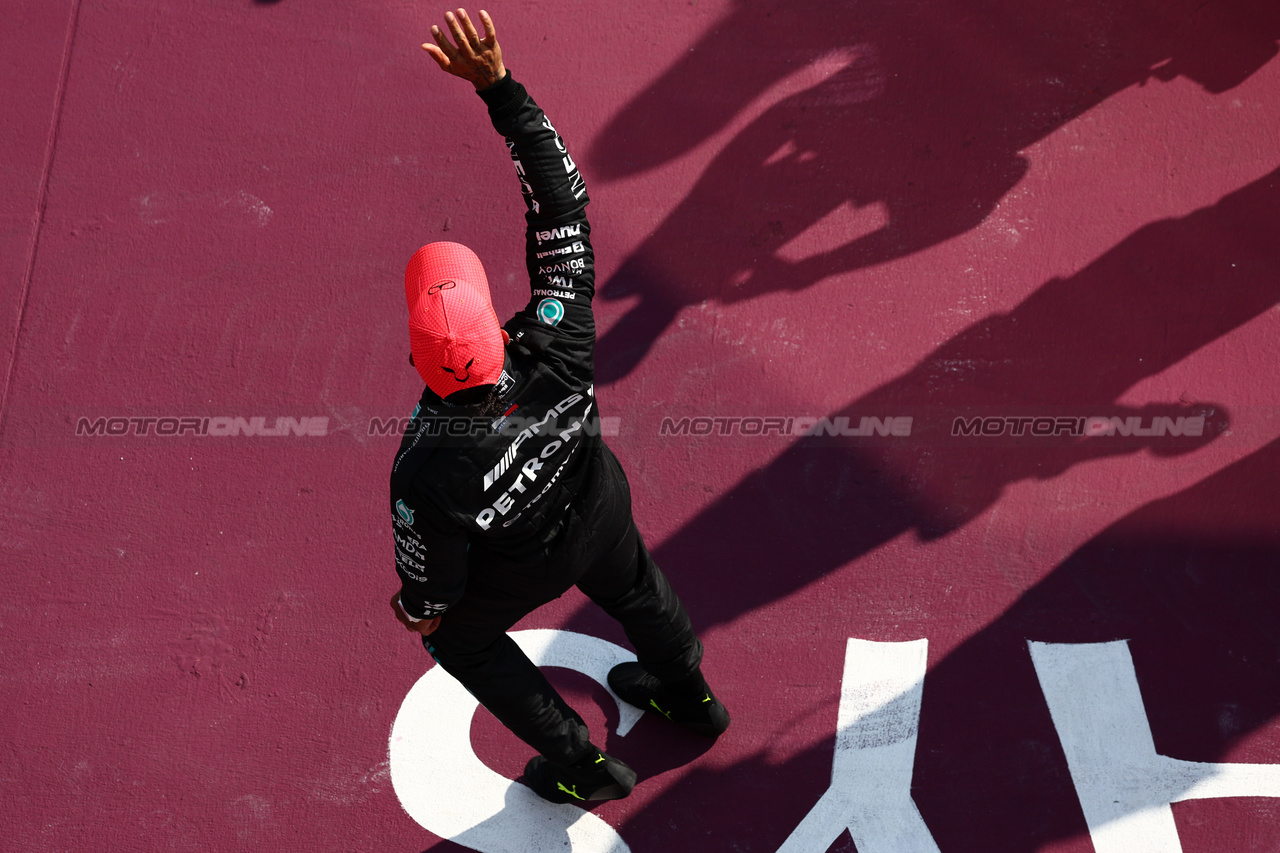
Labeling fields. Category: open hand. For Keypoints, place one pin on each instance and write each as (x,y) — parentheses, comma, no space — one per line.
(476,59)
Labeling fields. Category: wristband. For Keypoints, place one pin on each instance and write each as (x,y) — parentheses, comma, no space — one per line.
(411,618)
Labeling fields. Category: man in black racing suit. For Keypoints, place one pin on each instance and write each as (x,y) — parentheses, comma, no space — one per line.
(525,500)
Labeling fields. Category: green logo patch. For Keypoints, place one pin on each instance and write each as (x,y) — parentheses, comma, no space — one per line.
(550,311)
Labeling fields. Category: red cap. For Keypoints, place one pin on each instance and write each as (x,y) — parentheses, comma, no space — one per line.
(453,333)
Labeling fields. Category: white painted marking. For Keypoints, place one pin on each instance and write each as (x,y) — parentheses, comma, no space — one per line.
(1125,787)
(451,793)
(870,792)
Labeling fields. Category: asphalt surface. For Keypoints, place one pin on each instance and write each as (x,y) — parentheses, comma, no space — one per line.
(1028,252)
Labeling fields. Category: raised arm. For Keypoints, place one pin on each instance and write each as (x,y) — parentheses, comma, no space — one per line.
(558,251)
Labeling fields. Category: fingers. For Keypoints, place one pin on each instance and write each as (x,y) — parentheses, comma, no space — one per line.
(443,61)
(460,37)
(490,32)
(467,55)
(447,50)
(473,38)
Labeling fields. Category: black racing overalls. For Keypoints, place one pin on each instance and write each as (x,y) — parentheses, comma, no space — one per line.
(494,516)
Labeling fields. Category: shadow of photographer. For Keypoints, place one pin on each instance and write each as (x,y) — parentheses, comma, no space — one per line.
(908,126)
(1189,579)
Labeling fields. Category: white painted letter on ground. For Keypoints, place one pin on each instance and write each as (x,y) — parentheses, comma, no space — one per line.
(870,793)
(451,793)
(1125,787)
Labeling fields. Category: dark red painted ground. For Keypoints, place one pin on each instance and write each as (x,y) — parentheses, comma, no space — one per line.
(1012,208)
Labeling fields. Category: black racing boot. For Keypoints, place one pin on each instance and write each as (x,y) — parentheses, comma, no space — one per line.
(699,712)
(598,776)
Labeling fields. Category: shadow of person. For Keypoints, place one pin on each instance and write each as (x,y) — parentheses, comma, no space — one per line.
(1072,349)
(908,126)
(1189,581)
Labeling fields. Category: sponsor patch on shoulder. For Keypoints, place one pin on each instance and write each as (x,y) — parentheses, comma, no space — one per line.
(404,512)
(551,311)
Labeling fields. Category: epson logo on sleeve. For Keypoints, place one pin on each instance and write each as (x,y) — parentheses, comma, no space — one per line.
(551,311)
(525,186)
